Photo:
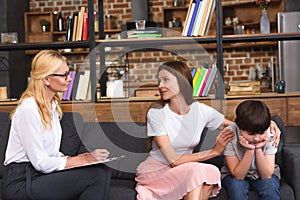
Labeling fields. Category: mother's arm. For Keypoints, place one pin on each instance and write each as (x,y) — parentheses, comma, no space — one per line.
(174,159)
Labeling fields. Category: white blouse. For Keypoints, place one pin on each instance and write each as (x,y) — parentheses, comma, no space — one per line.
(30,142)
(184,131)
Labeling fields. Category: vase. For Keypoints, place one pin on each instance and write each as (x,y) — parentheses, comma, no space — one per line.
(264,22)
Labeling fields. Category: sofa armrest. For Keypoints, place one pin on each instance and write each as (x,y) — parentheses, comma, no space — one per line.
(291,167)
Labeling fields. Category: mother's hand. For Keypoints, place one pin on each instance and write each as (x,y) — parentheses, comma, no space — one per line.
(225,136)
(276,131)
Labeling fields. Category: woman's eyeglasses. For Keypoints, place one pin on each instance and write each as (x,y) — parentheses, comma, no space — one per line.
(62,75)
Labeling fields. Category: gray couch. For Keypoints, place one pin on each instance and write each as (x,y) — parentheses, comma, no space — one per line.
(128,138)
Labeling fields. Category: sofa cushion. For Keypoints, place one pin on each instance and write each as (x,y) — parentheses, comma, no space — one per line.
(122,189)
(119,138)
(291,158)
(72,126)
(4,133)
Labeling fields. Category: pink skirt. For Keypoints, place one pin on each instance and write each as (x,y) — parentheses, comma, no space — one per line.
(157,181)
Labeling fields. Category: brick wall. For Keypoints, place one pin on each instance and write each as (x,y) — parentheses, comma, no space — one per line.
(143,66)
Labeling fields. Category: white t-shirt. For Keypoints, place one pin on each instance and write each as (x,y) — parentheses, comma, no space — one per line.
(29,142)
(184,131)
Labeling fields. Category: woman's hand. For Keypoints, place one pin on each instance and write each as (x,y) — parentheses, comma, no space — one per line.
(276,131)
(225,136)
(86,158)
(100,154)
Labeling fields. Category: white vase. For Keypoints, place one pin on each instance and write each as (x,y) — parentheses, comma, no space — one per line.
(264,22)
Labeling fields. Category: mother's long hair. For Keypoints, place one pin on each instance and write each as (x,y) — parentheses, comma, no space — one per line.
(46,62)
(184,77)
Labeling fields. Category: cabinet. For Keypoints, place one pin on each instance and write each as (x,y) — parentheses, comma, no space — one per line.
(172,14)
(241,10)
(33,27)
(231,9)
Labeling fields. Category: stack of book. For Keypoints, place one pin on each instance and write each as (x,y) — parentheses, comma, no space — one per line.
(244,88)
(77,26)
(147,33)
(203,79)
(79,87)
(198,18)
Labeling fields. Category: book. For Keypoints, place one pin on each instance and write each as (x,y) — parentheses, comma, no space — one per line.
(245,86)
(85,31)
(205,17)
(197,20)
(196,76)
(200,16)
(193,72)
(210,80)
(75,27)
(75,84)
(83,85)
(69,29)
(79,28)
(198,81)
(206,29)
(188,18)
(201,77)
(89,92)
(207,74)
(192,22)
(149,35)
(70,87)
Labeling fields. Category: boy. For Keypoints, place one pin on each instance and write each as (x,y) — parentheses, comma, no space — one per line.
(250,156)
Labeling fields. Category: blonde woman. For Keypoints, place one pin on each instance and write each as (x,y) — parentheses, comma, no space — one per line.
(33,160)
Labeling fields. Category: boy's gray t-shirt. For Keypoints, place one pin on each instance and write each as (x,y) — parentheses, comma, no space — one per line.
(234,148)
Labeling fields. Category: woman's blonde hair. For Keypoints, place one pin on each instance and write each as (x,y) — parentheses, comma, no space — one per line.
(46,62)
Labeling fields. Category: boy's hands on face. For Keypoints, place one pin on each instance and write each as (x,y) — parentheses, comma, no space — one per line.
(263,142)
(252,142)
(245,143)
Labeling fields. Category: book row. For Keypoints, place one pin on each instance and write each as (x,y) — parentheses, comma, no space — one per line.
(198,18)
(203,79)
(80,87)
(77,26)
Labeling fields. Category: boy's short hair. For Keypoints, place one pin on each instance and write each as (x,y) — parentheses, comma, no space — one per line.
(253,116)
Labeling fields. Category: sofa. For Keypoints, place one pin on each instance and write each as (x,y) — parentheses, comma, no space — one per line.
(129,139)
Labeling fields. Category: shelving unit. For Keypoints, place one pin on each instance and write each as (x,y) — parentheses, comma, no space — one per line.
(178,13)
(241,9)
(219,40)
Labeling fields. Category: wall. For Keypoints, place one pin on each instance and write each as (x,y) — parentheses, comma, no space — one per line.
(145,71)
